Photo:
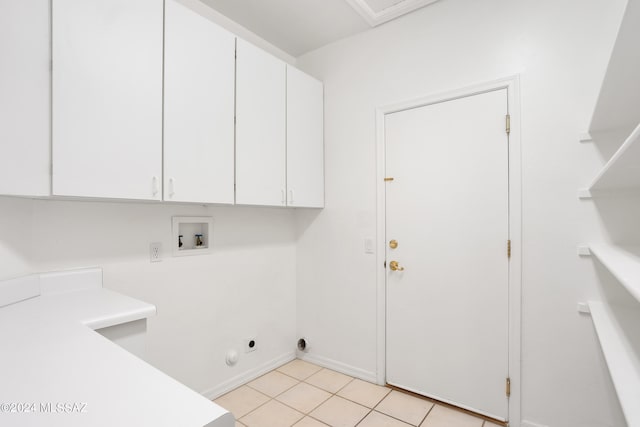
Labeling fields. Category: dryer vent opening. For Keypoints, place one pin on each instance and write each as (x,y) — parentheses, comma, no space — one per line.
(303,344)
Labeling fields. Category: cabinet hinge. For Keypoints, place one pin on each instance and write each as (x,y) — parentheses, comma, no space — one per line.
(509,249)
(508,123)
(385,263)
(508,387)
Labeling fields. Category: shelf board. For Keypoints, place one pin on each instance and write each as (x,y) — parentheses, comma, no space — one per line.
(618,105)
(619,336)
(621,171)
(624,264)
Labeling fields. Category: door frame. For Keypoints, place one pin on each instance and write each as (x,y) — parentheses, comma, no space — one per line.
(512,84)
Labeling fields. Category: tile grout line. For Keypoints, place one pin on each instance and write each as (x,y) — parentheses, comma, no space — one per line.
(363,418)
(343,387)
(335,394)
(331,395)
(398,419)
(348,400)
(254,409)
(483,418)
(291,376)
(315,419)
(373,409)
(304,414)
(273,398)
(428,413)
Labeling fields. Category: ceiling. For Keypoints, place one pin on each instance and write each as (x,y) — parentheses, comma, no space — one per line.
(299,26)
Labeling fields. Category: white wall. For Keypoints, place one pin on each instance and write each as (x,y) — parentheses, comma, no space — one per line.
(207,304)
(15,237)
(560,49)
(237,29)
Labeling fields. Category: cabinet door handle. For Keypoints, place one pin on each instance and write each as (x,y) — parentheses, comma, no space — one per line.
(290,195)
(154,185)
(284,196)
(171,186)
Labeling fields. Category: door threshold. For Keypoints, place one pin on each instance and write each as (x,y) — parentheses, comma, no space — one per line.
(448,405)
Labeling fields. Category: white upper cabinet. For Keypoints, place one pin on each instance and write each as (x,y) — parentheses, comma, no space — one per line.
(24,98)
(107,98)
(151,100)
(199,77)
(260,127)
(305,152)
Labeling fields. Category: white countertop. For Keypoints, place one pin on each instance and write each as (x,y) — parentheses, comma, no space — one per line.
(49,353)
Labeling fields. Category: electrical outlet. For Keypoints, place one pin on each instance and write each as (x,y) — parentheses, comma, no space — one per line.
(155,251)
(250,344)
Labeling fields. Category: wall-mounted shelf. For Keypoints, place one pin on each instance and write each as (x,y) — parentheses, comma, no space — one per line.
(618,106)
(619,337)
(617,111)
(622,170)
(192,235)
(624,264)
(616,115)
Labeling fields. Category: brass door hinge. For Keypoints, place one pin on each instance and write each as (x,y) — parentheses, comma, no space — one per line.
(508,388)
(509,249)
(508,123)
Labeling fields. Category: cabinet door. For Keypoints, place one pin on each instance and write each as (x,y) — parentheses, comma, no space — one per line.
(260,128)
(107,98)
(25,156)
(305,142)
(199,68)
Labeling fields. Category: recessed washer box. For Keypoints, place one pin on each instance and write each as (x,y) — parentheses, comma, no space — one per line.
(191,235)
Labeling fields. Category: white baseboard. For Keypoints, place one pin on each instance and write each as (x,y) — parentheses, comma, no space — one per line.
(339,366)
(247,376)
(530,424)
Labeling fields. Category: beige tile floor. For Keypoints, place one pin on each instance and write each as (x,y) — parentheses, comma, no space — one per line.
(302,394)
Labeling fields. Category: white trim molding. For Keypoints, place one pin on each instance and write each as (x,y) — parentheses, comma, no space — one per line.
(512,84)
(374,18)
(325,362)
(250,375)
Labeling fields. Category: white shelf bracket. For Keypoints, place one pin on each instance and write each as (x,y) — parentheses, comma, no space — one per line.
(583,308)
(586,137)
(584,250)
(584,193)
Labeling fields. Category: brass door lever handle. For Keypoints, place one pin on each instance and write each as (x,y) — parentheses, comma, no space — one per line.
(394,266)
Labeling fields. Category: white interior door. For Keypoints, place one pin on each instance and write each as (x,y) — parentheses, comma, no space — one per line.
(447,208)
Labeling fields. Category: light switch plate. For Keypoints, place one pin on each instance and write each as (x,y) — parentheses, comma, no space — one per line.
(369,245)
